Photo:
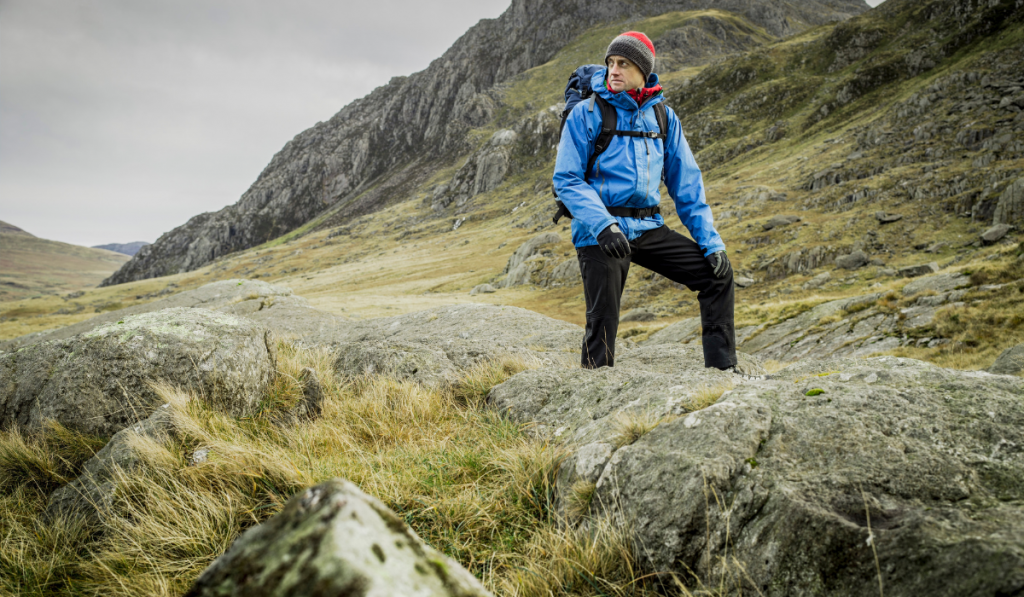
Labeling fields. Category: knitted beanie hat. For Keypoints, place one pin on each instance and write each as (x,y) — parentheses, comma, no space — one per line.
(635,47)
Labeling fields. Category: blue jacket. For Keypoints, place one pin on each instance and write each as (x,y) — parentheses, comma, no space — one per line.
(629,172)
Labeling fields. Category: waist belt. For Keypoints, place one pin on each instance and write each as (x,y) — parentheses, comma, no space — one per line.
(633,212)
(619,212)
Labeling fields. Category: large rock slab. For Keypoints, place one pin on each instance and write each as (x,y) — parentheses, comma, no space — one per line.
(333,540)
(782,475)
(432,346)
(680,332)
(99,382)
(243,297)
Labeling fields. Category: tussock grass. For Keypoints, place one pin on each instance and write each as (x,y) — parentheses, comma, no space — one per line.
(631,426)
(471,483)
(705,396)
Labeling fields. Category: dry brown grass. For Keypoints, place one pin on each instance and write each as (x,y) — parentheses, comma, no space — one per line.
(470,482)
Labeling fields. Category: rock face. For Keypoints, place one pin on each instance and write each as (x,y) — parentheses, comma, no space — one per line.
(404,129)
(783,475)
(333,540)
(1010,209)
(484,171)
(99,382)
(433,346)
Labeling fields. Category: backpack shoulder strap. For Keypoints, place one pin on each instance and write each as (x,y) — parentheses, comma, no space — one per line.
(661,115)
(609,122)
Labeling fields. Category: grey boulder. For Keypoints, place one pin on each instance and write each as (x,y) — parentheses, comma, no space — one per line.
(680,332)
(994,234)
(913,271)
(638,314)
(854,260)
(780,221)
(91,495)
(938,283)
(242,297)
(333,539)
(783,475)
(482,289)
(435,345)
(1009,362)
(99,382)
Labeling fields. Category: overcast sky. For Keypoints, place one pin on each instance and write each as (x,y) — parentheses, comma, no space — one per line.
(121,119)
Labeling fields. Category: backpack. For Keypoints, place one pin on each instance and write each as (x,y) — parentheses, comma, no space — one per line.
(578,89)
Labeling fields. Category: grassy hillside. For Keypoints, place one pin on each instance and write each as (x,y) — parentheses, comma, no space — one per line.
(31,266)
(908,110)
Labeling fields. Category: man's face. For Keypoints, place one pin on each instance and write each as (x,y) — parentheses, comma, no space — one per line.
(623,74)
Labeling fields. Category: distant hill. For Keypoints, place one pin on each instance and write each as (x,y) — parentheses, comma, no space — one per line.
(129,249)
(30,265)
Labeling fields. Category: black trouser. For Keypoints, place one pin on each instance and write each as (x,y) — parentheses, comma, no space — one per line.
(679,259)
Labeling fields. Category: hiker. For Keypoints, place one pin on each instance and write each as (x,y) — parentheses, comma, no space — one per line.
(613,198)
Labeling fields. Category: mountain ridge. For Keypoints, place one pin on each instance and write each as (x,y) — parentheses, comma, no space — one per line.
(331,164)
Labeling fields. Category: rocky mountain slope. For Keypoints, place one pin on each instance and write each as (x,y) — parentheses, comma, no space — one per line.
(369,153)
(839,475)
(30,265)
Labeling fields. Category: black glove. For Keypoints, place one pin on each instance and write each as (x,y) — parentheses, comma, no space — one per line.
(614,243)
(719,264)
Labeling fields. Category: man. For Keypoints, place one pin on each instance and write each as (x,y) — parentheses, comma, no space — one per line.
(613,223)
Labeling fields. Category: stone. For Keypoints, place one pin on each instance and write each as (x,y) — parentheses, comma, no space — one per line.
(843,327)
(782,474)
(310,406)
(680,332)
(483,289)
(91,496)
(638,314)
(566,273)
(276,306)
(780,221)
(817,281)
(939,283)
(743,281)
(936,247)
(433,346)
(333,539)
(518,269)
(887,218)
(1009,362)
(854,260)
(913,271)
(994,234)
(99,382)
(1010,208)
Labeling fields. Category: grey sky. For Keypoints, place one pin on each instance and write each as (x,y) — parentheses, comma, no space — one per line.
(121,119)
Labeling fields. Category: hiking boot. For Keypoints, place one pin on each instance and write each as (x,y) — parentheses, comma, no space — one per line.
(739,370)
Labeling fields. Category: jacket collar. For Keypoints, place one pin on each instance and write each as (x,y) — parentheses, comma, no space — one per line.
(622,100)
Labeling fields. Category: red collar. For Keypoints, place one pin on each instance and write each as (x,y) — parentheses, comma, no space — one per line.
(640,95)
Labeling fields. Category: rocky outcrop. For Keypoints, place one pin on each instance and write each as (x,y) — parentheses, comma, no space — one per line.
(276,307)
(1010,209)
(99,382)
(434,346)
(333,539)
(534,262)
(483,171)
(803,481)
(400,131)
